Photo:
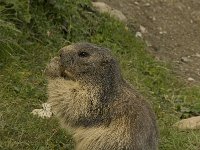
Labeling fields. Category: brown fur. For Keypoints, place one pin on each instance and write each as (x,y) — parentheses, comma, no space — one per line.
(90,97)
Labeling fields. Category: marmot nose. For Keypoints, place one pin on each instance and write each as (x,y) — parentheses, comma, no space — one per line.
(66,58)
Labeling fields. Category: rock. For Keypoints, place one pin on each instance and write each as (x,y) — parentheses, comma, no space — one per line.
(163,32)
(136,3)
(118,15)
(101,7)
(185,59)
(147,4)
(104,8)
(154,18)
(196,16)
(143,29)
(197,55)
(138,34)
(190,79)
(45,112)
(190,123)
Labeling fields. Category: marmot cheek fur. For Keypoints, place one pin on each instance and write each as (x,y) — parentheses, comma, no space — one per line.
(89,96)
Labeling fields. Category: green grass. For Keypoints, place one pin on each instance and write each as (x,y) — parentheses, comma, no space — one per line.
(26,46)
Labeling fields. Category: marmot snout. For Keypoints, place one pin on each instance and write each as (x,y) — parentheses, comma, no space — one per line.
(89,96)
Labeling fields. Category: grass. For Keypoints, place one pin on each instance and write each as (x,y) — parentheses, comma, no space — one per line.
(26,46)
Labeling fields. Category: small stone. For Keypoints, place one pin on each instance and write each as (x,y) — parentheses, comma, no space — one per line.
(101,7)
(138,34)
(154,18)
(46,106)
(195,16)
(190,123)
(104,8)
(143,29)
(190,79)
(197,55)
(147,4)
(163,32)
(42,113)
(118,15)
(45,112)
(185,59)
(136,3)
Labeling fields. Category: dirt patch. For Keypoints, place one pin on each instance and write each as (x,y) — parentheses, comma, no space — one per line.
(172,31)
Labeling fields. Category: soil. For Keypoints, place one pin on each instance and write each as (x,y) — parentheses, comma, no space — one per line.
(171,29)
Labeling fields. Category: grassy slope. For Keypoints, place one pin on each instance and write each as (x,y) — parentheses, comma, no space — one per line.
(25,51)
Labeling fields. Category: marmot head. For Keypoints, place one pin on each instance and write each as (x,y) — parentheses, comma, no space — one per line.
(88,62)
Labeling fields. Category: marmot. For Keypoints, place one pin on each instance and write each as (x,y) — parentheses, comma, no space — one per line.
(88,95)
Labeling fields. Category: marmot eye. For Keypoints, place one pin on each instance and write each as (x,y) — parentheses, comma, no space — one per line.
(83,54)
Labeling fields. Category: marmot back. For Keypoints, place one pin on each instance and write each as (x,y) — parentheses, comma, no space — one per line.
(89,96)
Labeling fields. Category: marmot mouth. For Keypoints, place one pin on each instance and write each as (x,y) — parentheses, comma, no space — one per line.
(67,75)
